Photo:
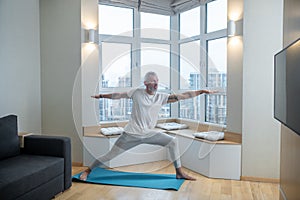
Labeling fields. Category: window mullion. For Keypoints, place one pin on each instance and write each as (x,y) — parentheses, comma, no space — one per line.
(203,58)
(136,50)
(174,62)
(100,64)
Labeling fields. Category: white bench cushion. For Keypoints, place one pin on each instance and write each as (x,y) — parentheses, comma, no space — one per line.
(171,126)
(112,130)
(210,135)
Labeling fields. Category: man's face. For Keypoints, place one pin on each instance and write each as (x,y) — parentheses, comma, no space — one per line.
(151,84)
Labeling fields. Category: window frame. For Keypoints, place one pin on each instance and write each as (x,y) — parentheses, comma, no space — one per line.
(204,37)
(175,41)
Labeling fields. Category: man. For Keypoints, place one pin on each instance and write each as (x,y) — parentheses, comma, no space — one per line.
(140,128)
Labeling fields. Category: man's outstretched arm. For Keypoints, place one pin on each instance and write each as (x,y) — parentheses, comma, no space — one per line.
(189,94)
(116,95)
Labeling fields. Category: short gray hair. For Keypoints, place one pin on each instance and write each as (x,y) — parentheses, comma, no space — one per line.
(148,74)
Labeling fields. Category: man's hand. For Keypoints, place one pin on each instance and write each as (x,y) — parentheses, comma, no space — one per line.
(116,95)
(189,94)
(209,91)
(96,96)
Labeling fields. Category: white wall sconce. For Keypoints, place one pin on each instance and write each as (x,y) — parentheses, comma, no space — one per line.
(91,36)
(235,28)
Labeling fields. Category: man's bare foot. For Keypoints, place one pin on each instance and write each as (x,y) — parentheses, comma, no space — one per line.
(84,174)
(181,175)
(185,176)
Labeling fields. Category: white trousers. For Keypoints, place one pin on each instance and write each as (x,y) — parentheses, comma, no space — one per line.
(127,141)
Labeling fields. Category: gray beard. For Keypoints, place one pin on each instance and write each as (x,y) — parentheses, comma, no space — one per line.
(152,89)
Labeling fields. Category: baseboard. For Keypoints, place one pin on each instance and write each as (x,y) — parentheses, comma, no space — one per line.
(259,179)
(77,164)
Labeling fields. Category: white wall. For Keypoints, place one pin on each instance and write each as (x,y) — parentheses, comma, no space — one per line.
(234,70)
(261,132)
(90,65)
(20,63)
(60,64)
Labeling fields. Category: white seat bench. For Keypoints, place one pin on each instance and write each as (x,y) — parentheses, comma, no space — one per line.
(220,159)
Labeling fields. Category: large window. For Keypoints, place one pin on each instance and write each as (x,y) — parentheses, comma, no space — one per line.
(203,61)
(115,60)
(191,57)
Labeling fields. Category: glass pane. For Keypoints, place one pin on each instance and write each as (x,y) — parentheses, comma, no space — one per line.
(189,65)
(190,78)
(155,26)
(116,65)
(216,109)
(115,20)
(165,111)
(217,78)
(216,15)
(190,23)
(190,108)
(156,57)
(217,63)
(113,110)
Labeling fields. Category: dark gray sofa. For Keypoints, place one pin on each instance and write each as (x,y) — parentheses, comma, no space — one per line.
(40,170)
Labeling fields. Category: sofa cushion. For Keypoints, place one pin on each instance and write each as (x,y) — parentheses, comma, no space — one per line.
(9,143)
(23,173)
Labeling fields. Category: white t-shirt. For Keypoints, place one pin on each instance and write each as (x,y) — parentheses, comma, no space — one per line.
(145,110)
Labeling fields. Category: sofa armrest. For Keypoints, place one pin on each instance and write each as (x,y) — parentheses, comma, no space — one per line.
(57,146)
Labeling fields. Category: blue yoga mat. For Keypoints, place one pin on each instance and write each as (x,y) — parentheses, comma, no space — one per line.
(131,179)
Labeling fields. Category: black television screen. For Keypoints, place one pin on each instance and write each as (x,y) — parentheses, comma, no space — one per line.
(287,86)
